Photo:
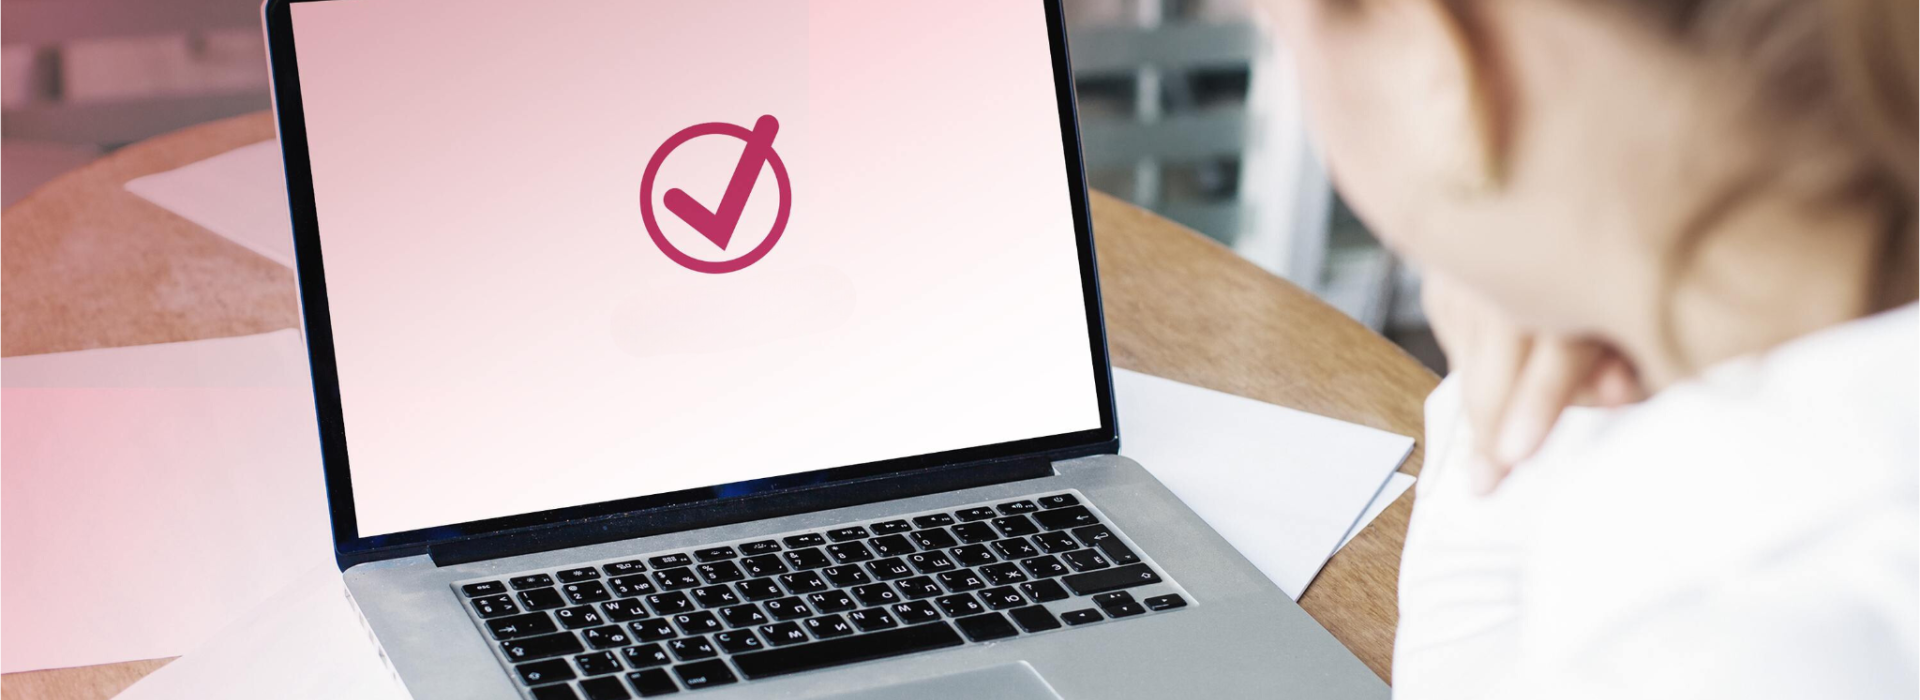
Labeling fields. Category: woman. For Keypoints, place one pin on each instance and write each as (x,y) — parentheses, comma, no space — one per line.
(1698,215)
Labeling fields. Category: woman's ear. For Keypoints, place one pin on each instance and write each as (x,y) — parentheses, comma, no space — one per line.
(1450,69)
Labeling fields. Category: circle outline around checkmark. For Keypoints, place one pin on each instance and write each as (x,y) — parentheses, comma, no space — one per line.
(712,267)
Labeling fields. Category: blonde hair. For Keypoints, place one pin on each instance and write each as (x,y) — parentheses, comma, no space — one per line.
(1839,74)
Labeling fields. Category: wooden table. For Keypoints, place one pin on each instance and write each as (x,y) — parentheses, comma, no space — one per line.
(88,264)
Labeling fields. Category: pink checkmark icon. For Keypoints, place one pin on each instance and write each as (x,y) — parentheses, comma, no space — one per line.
(718,226)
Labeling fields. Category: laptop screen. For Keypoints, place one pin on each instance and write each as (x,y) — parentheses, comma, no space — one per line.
(580,251)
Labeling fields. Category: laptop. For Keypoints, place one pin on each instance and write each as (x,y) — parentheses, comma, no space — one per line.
(736,349)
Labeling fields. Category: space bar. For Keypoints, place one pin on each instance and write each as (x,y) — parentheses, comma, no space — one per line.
(846,650)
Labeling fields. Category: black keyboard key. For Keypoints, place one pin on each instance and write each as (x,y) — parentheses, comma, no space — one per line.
(1114,579)
(675,579)
(1166,602)
(763,565)
(961,580)
(975,513)
(519,626)
(720,572)
(714,553)
(1014,526)
(521,583)
(865,647)
(891,527)
(747,615)
(715,597)
(1054,542)
(704,674)
(806,540)
(936,538)
(669,603)
(495,605)
(889,568)
(849,552)
(932,521)
(557,691)
(960,605)
(847,533)
(623,568)
(584,573)
(759,589)
(986,628)
(630,586)
(809,558)
(1114,598)
(849,575)
(876,594)
(930,562)
(1034,618)
(738,641)
(1017,507)
(915,612)
(830,601)
(604,689)
(1126,609)
(1081,617)
(974,555)
(783,634)
(1044,590)
(919,587)
(802,582)
(549,671)
(1065,518)
(761,547)
(827,626)
(652,630)
(872,619)
(891,545)
(608,637)
(586,592)
(1015,548)
(598,664)
(1085,560)
(787,609)
(483,588)
(1118,553)
(1002,598)
(1058,501)
(1044,566)
(576,618)
(541,647)
(697,622)
(652,682)
(974,532)
(692,649)
(1092,535)
(668,561)
(646,656)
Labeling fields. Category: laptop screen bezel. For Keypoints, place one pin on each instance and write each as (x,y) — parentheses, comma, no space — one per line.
(350,546)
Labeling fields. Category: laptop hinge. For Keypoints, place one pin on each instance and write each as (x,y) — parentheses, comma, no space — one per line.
(693,516)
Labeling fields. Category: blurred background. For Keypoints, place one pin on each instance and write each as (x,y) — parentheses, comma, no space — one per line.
(1188,108)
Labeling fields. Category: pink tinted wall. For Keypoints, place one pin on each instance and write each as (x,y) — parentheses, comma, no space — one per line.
(510,340)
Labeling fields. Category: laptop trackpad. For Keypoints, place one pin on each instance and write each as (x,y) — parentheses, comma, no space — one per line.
(1016,681)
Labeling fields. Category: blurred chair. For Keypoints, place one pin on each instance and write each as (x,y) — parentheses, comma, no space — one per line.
(49,122)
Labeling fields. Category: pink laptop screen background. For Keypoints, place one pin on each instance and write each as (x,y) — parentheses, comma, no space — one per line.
(509,339)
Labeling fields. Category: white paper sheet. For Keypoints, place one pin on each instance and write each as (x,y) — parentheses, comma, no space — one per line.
(1283,486)
(306,642)
(240,194)
(1397,484)
(150,493)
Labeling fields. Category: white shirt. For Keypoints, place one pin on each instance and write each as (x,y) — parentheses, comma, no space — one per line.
(1753,533)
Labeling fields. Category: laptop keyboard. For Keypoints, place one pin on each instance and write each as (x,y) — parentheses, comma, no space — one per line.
(754,609)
